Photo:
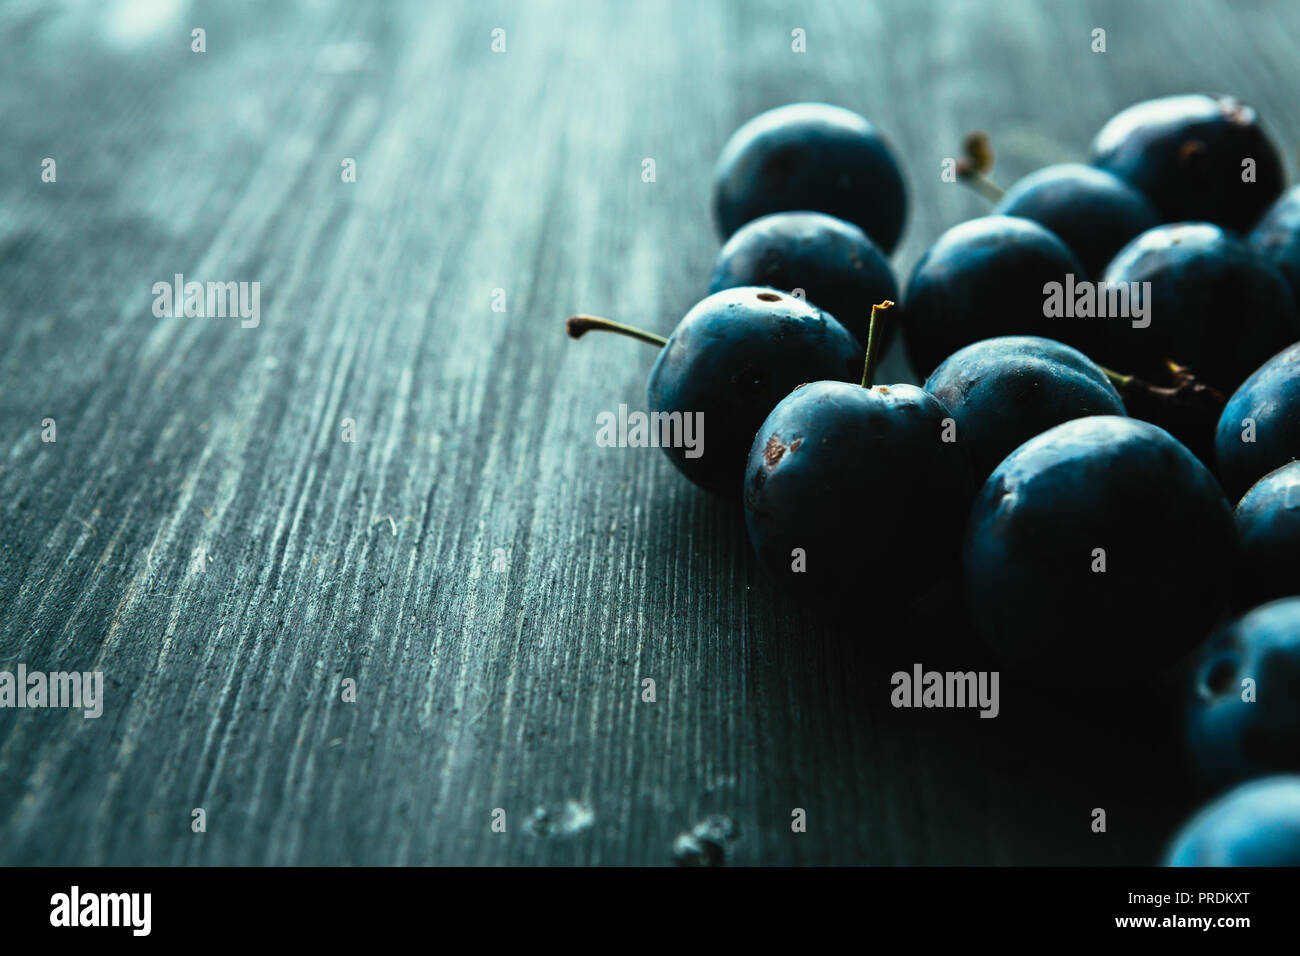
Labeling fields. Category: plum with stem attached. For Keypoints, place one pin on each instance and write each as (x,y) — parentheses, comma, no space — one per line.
(858,486)
(730,360)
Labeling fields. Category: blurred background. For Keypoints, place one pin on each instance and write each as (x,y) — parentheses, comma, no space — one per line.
(496,586)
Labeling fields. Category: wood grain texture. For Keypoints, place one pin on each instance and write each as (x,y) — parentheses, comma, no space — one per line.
(374,560)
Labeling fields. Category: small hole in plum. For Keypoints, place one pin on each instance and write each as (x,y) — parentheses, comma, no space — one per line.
(1220,676)
(769,297)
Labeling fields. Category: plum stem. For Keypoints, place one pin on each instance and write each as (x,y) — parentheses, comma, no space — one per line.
(974,166)
(875,335)
(982,185)
(1118,379)
(1187,393)
(579,325)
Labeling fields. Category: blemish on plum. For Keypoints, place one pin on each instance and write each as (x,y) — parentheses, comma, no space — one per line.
(1236,112)
(775,450)
(1191,151)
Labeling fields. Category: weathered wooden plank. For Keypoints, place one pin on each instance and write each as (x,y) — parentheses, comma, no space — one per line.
(485,678)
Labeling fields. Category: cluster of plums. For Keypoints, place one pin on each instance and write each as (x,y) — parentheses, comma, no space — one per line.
(1077,473)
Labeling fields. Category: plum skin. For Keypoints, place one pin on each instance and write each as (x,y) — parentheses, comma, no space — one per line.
(1271,398)
(1215,306)
(1268,539)
(811,156)
(1094,212)
(839,268)
(1230,739)
(732,357)
(1185,153)
(1256,824)
(984,278)
(861,480)
(1276,237)
(1004,391)
(1119,484)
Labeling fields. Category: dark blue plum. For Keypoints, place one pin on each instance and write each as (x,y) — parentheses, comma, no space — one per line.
(1237,730)
(1257,824)
(863,482)
(1259,430)
(838,268)
(981,279)
(1214,306)
(1004,391)
(1033,580)
(810,156)
(1186,153)
(1277,238)
(1268,539)
(733,357)
(1094,212)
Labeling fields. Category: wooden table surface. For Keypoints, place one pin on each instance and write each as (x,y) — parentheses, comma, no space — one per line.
(497,586)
